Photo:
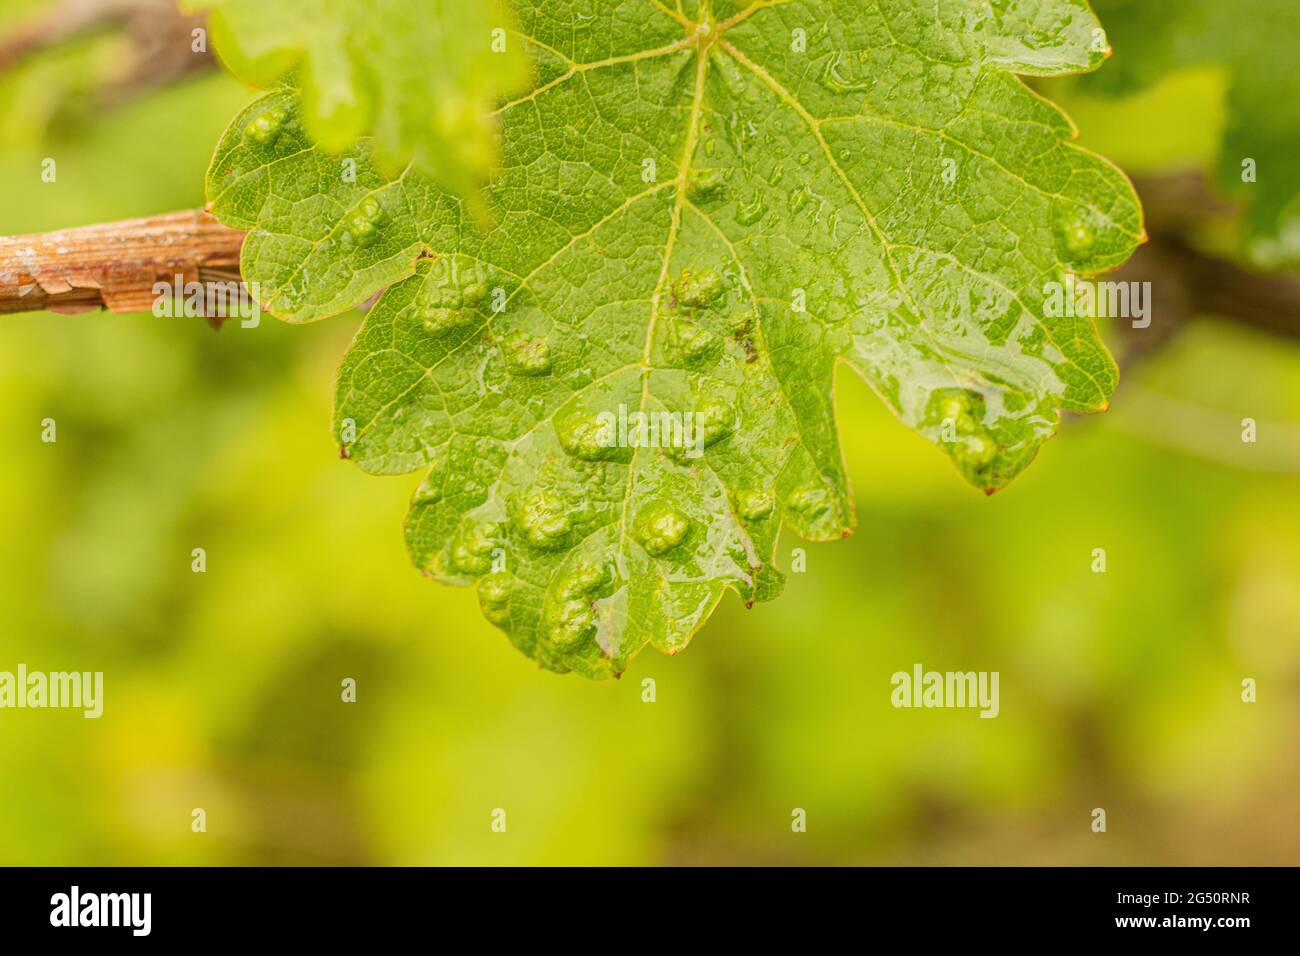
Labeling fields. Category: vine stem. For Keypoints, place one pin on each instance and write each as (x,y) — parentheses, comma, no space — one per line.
(115,265)
(1187,283)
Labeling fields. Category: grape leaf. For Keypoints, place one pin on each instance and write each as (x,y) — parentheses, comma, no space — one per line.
(1254,41)
(417,77)
(702,210)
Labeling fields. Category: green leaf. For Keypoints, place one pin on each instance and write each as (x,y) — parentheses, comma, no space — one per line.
(417,77)
(700,212)
(1253,41)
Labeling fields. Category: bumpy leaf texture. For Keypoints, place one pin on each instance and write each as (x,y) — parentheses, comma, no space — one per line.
(1254,43)
(622,391)
(417,77)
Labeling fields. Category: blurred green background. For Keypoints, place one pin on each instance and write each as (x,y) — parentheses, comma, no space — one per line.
(1119,690)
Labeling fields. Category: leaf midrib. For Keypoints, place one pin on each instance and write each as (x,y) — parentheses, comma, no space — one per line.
(679,205)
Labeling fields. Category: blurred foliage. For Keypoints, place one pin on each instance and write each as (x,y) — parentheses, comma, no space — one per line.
(1250,44)
(416,78)
(222,690)
(1205,86)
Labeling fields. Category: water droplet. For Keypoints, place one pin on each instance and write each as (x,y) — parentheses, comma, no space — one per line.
(804,159)
(527,356)
(708,185)
(544,519)
(750,213)
(661,528)
(799,199)
(835,77)
(741,131)
(699,289)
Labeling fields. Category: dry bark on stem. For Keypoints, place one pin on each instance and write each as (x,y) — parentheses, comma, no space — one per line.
(160,36)
(1190,283)
(116,265)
